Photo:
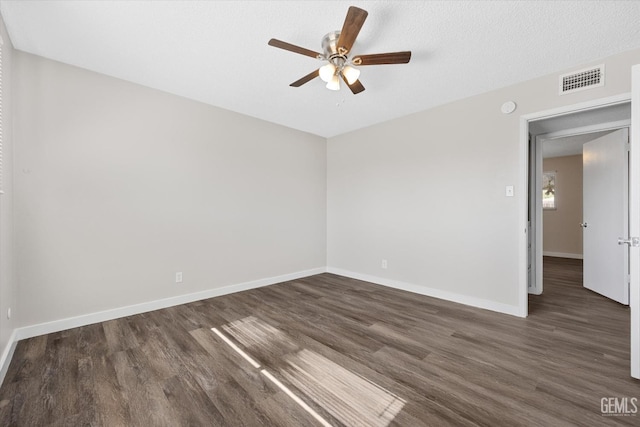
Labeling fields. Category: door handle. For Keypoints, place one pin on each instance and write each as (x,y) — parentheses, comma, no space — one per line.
(631,241)
(583,224)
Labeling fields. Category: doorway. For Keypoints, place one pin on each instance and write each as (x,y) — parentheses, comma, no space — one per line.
(634,204)
(564,136)
(530,237)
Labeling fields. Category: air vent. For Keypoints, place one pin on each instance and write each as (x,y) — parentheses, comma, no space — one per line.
(582,79)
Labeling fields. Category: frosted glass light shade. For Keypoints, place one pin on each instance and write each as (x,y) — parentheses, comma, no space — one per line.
(334,84)
(327,72)
(351,74)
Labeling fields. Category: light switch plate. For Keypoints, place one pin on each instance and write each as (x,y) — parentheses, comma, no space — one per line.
(508,191)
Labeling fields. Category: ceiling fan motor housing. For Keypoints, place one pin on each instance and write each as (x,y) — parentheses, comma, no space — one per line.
(331,51)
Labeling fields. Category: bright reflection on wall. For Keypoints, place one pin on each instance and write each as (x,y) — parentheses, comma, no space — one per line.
(347,396)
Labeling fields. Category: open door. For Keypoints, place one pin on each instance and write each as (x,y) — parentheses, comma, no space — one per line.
(634,222)
(606,215)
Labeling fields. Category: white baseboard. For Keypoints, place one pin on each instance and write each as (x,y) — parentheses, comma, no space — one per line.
(102,316)
(562,255)
(431,292)
(116,313)
(7,354)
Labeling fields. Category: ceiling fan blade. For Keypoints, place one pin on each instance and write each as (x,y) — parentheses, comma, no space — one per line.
(293,48)
(383,58)
(351,27)
(306,79)
(356,87)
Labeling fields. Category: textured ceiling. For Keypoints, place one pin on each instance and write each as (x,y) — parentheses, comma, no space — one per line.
(216,51)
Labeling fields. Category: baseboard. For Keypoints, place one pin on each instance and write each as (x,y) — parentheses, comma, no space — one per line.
(102,316)
(116,313)
(562,255)
(7,354)
(431,292)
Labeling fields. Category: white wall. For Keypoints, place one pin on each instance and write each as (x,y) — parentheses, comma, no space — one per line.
(7,276)
(427,192)
(119,186)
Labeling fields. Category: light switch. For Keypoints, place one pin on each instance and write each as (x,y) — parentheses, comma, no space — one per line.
(509,191)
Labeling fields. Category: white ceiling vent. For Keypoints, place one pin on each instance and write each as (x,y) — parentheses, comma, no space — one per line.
(582,79)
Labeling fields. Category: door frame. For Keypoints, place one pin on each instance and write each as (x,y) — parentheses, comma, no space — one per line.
(634,202)
(536,216)
(523,181)
(634,221)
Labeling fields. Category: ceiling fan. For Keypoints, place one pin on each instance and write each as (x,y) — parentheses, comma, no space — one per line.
(336,50)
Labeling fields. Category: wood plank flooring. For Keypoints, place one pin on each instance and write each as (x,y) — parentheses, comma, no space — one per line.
(355,353)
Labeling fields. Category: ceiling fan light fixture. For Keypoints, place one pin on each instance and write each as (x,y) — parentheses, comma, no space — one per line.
(334,83)
(351,74)
(327,72)
(336,50)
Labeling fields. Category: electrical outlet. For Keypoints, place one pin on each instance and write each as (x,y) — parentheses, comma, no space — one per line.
(9,313)
(179,277)
(384,263)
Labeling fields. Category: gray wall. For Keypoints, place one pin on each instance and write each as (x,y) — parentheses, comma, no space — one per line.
(562,233)
(427,191)
(119,186)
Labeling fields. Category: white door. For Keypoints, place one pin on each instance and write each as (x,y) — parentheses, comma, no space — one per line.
(634,222)
(605,215)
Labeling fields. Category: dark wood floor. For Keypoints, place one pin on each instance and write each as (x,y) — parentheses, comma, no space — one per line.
(354,352)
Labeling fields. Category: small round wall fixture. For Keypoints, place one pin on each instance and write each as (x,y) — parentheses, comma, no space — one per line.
(508,107)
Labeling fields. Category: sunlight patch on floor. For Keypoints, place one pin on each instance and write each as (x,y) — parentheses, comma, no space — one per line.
(236,348)
(347,396)
(295,398)
(252,332)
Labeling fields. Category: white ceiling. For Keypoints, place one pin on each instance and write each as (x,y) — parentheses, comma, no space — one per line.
(216,51)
